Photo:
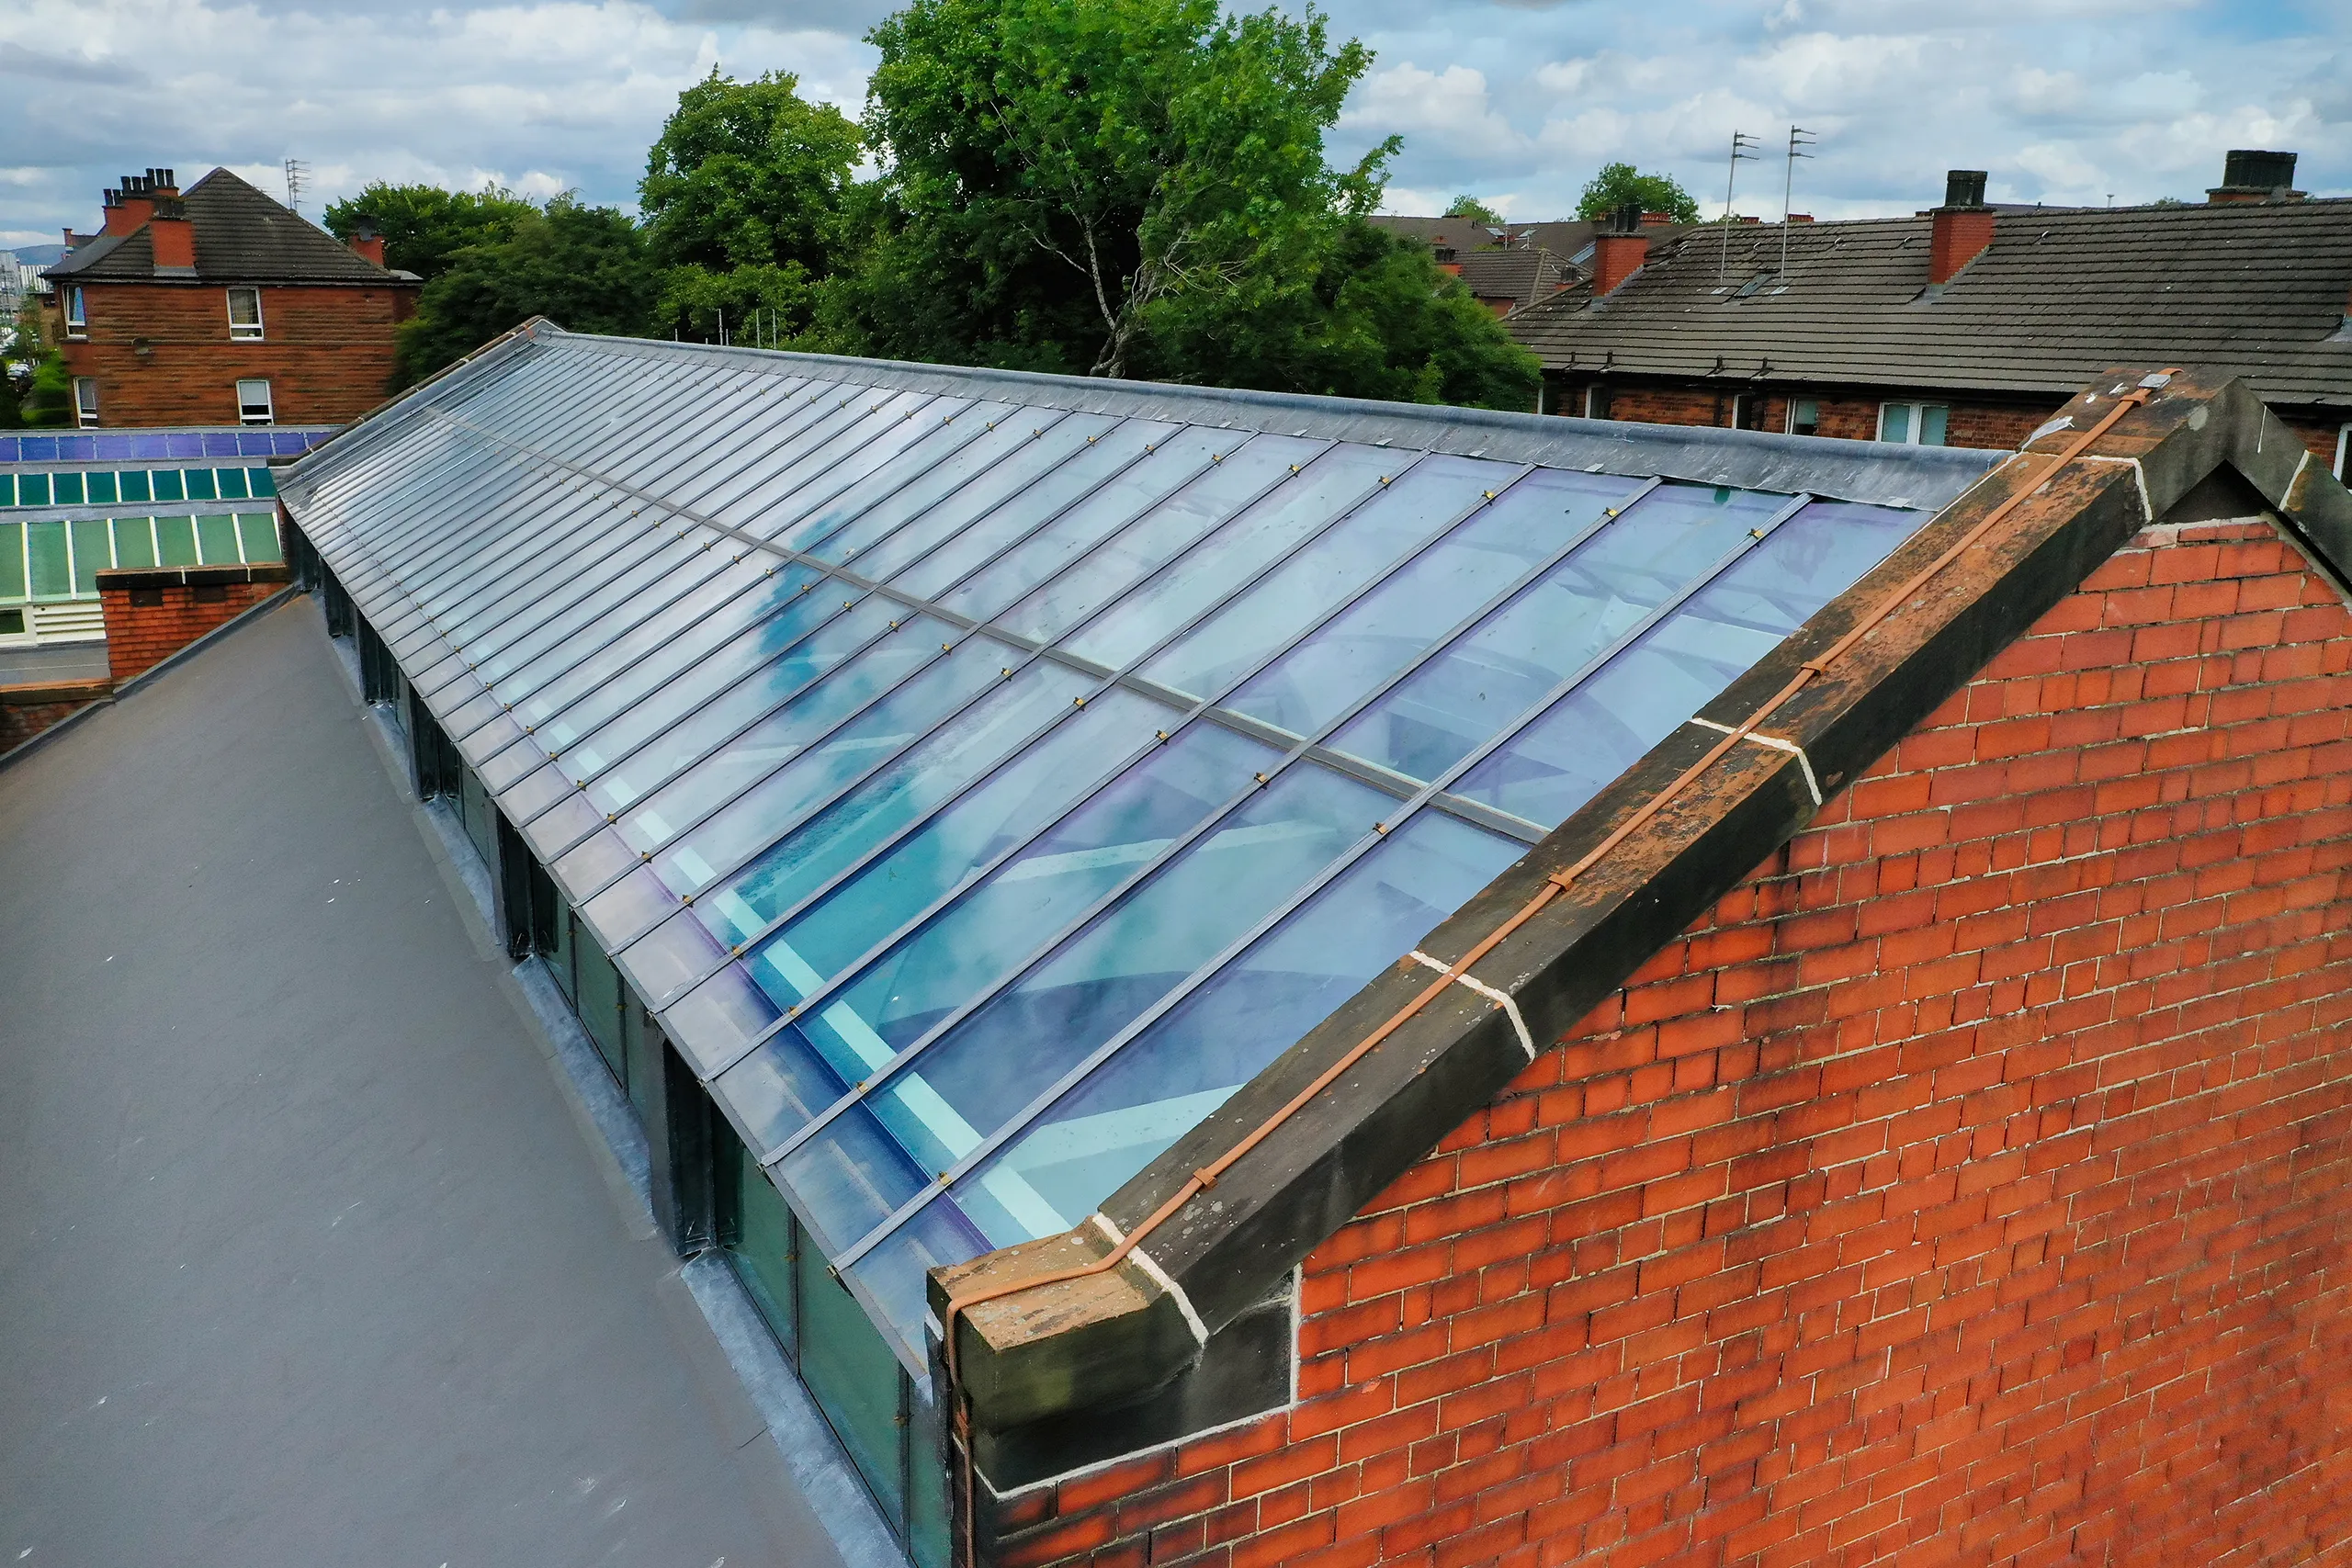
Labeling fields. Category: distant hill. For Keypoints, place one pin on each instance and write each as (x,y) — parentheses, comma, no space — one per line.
(39,255)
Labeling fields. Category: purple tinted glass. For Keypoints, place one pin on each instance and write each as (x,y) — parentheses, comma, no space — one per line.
(116,446)
(221,444)
(40,448)
(76,448)
(8,449)
(183,443)
(151,443)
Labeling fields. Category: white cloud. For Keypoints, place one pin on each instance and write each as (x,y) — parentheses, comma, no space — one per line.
(1449,106)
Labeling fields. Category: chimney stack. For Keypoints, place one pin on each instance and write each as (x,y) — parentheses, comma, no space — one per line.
(1618,253)
(2248,175)
(172,235)
(1963,226)
(366,243)
(128,205)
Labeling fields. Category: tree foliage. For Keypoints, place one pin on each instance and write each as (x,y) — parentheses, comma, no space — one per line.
(742,199)
(1622,184)
(583,266)
(34,387)
(1470,207)
(1060,175)
(424,225)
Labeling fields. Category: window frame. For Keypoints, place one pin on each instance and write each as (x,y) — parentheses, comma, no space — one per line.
(268,404)
(1596,401)
(1813,424)
(2343,446)
(1747,410)
(242,332)
(77,312)
(1918,417)
(85,402)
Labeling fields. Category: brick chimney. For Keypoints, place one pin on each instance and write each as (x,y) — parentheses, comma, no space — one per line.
(172,235)
(1963,226)
(2248,175)
(366,243)
(127,206)
(1619,253)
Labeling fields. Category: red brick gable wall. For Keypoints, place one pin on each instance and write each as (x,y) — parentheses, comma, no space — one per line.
(1969,1186)
(327,353)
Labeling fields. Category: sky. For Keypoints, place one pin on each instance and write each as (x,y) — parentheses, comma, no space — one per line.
(1517,101)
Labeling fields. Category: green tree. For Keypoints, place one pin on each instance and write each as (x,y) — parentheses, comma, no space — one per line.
(424,225)
(742,199)
(1622,184)
(584,267)
(1059,173)
(34,387)
(1470,207)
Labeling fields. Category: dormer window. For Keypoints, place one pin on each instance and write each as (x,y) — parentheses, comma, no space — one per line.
(77,322)
(244,315)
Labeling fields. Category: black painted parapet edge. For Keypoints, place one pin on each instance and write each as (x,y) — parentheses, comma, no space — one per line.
(1100,1342)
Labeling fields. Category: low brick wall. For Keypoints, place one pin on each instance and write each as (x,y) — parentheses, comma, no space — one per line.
(26,711)
(152,612)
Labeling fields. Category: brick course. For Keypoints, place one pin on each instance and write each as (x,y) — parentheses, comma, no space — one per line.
(1968,1186)
(26,711)
(140,635)
(163,356)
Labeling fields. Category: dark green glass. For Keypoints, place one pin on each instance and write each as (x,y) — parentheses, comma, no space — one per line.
(93,552)
(767,1241)
(12,560)
(599,1001)
(176,540)
(199,484)
(136,485)
(134,541)
(52,573)
(927,1538)
(32,489)
(560,958)
(102,490)
(856,1382)
(259,532)
(167,484)
(640,1053)
(232,482)
(261,482)
(65,490)
(216,539)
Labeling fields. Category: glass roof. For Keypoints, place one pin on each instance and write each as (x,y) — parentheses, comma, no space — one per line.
(984,781)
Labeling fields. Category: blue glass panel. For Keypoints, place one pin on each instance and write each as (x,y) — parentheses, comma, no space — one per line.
(1352,553)
(871,414)
(1677,667)
(39,448)
(990,1064)
(501,654)
(772,1093)
(150,445)
(781,801)
(1021,469)
(1168,1078)
(76,448)
(925,437)
(1506,664)
(220,444)
(975,742)
(1234,554)
(739,690)
(956,557)
(9,449)
(893,1272)
(670,955)
(856,530)
(1176,458)
(1425,598)
(716,768)
(849,1179)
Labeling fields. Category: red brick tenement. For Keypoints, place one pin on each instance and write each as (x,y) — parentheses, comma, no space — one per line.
(163,356)
(1969,1186)
(154,612)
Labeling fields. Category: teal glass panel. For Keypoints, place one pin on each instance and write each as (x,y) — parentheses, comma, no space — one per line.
(102,490)
(260,482)
(32,489)
(134,541)
(1895,423)
(167,483)
(560,957)
(52,566)
(176,541)
(1935,424)
(199,484)
(216,539)
(855,1379)
(640,1055)
(231,482)
(12,560)
(475,810)
(7,489)
(929,1540)
(136,485)
(599,1001)
(258,533)
(93,552)
(65,490)
(766,1245)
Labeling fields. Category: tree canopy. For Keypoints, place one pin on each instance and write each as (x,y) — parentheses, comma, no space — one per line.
(1470,207)
(583,266)
(743,198)
(1622,184)
(424,225)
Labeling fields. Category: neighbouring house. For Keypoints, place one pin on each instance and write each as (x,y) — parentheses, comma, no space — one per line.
(1254,979)
(79,508)
(219,306)
(1967,326)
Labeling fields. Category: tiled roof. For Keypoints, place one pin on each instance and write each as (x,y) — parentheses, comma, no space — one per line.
(242,236)
(2255,290)
(1518,275)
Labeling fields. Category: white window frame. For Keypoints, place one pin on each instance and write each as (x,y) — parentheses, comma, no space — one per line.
(1916,416)
(77,315)
(2342,448)
(1596,401)
(244,332)
(85,402)
(1794,403)
(247,405)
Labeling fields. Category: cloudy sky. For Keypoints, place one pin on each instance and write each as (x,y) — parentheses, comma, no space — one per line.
(2066,101)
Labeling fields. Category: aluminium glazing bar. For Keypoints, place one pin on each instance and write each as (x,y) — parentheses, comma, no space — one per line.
(1426,795)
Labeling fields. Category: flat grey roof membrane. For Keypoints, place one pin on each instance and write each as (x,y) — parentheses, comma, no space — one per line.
(304,1259)
(985,775)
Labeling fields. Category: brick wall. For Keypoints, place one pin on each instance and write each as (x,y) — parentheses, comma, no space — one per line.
(1968,1188)
(154,613)
(326,353)
(1852,416)
(26,711)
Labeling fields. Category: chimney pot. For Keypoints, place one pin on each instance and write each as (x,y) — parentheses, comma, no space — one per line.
(127,206)
(1965,188)
(369,244)
(2251,175)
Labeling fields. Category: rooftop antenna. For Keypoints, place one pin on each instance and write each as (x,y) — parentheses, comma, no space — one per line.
(1743,146)
(298,175)
(1799,140)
